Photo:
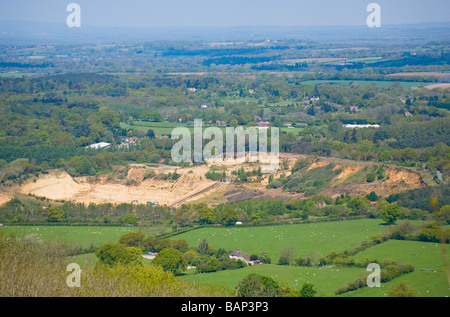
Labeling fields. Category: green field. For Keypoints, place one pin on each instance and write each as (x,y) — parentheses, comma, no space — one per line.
(83,235)
(305,238)
(325,280)
(166,128)
(428,279)
(424,283)
(423,255)
(160,128)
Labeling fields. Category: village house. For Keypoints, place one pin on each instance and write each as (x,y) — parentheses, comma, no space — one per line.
(132,139)
(240,255)
(222,123)
(263,125)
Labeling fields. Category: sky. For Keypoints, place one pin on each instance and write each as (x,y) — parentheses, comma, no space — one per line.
(225,13)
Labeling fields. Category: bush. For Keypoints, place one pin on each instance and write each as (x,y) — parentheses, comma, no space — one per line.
(111,254)
(401,290)
(255,285)
(170,260)
(430,232)
(207,264)
(308,290)
(371,177)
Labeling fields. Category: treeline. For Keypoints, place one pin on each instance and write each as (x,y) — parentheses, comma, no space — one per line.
(38,210)
(416,134)
(280,67)
(237,60)
(428,198)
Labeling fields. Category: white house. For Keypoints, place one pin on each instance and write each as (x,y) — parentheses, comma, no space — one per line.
(239,255)
(376,126)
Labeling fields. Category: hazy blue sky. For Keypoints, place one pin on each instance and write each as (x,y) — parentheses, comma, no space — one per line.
(226,12)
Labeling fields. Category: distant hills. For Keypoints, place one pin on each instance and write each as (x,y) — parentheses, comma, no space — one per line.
(19,32)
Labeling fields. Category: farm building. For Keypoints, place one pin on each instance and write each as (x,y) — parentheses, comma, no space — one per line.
(240,255)
(376,126)
(100,145)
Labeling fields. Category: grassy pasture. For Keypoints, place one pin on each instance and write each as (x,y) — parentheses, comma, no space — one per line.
(305,238)
(423,255)
(424,283)
(160,128)
(83,235)
(428,279)
(166,128)
(325,280)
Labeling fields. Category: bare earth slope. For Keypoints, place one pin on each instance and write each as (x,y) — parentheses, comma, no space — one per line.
(59,185)
(193,186)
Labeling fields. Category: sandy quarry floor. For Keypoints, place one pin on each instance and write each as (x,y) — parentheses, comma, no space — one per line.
(193,186)
(59,185)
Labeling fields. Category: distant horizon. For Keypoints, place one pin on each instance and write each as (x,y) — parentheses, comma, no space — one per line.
(226,26)
(232,13)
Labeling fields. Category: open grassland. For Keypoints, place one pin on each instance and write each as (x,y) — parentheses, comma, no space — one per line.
(85,236)
(305,238)
(166,128)
(423,255)
(424,283)
(428,279)
(325,280)
(160,128)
